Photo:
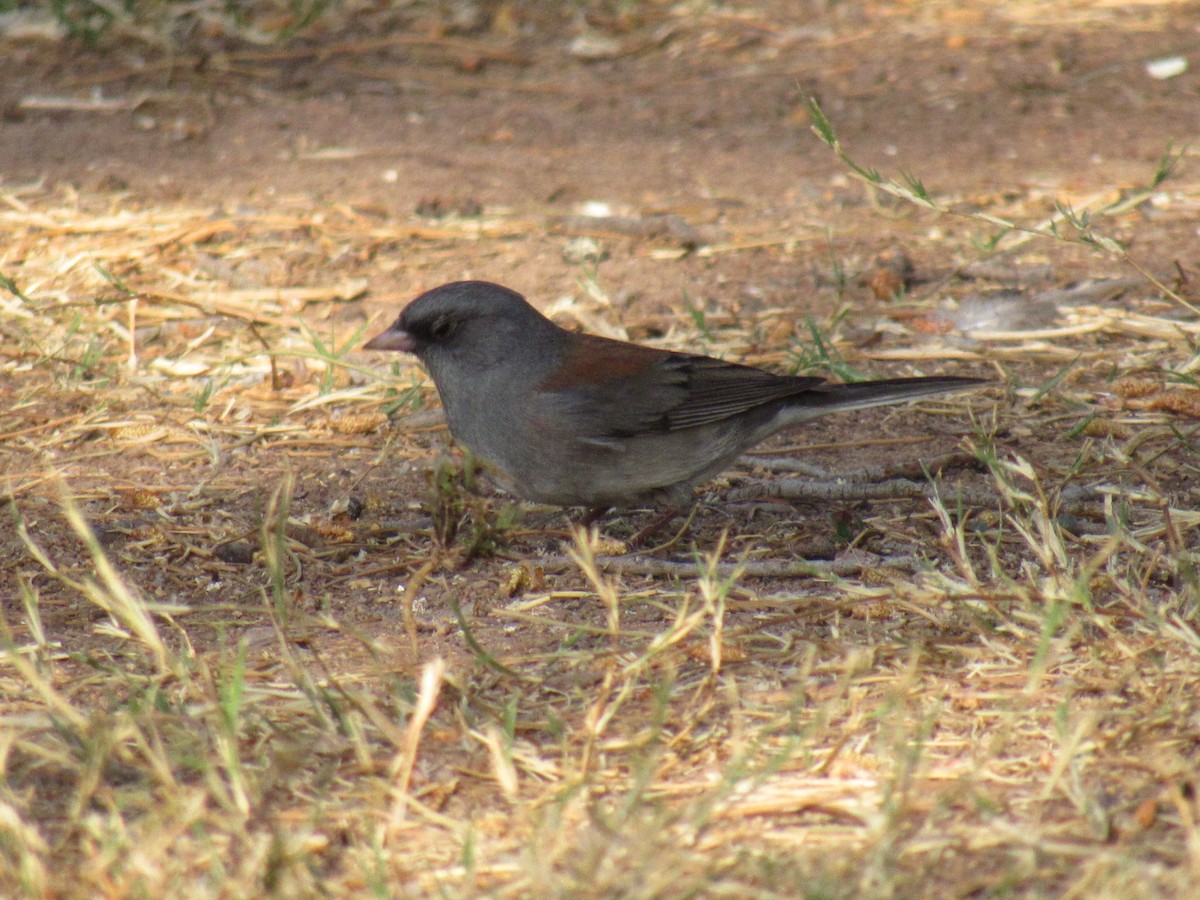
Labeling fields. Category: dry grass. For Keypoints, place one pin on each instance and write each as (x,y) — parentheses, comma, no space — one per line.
(248,649)
(1019,711)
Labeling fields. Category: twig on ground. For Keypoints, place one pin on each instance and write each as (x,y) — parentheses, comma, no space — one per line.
(851,564)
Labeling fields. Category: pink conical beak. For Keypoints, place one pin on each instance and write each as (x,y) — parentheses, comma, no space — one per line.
(395,338)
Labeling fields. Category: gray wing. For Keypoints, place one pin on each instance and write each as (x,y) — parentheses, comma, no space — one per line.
(676,391)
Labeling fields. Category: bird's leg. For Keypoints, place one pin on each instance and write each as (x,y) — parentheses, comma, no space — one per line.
(657,524)
(593,515)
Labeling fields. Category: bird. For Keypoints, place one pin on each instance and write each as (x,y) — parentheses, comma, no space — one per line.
(573,419)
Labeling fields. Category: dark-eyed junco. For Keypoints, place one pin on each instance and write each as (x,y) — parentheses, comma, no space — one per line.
(579,420)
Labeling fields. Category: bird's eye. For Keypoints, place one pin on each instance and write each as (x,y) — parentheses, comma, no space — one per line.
(442,328)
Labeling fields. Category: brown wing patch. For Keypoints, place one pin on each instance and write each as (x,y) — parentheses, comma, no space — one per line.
(592,360)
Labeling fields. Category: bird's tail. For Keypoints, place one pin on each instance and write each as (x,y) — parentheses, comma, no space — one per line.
(863,394)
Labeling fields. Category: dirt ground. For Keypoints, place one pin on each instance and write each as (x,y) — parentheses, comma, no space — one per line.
(200,239)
